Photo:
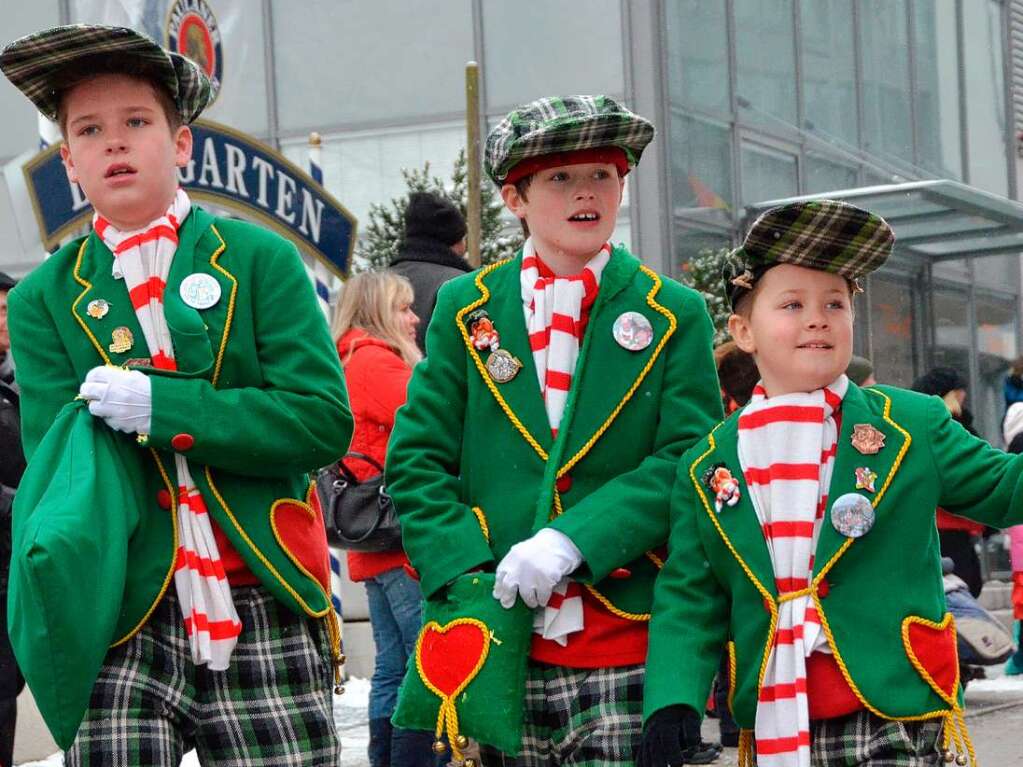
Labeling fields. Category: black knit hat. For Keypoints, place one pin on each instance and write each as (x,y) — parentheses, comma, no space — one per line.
(940,381)
(433,217)
(6,281)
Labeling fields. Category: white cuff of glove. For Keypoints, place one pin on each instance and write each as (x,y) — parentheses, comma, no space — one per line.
(531,569)
(122,398)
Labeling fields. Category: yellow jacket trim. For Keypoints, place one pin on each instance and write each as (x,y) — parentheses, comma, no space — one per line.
(230,304)
(174,551)
(481,518)
(87,286)
(768,597)
(502,403)
(672,325)
(908,621)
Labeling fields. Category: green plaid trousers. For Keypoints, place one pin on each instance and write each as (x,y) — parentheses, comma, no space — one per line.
(271,708)
(865,740)
(578,717)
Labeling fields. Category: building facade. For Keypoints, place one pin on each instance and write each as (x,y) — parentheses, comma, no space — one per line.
(755,100)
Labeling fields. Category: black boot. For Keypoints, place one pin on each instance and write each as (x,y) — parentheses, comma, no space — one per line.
(380,733)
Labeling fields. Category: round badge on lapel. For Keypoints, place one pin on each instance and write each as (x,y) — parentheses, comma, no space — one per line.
(503,366)
(98,308)
(852,515)
(633,331)
(200,291)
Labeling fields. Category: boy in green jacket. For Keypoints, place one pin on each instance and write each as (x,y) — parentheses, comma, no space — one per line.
(803,531)
(541,433)
(200,338)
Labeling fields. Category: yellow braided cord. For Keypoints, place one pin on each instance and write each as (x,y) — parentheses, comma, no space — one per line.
(745,756)
(672,325)
(230,306)
(788,596)
(447,713)
(963,736)
(484,297)
(732,673)
(481,518)
(946,732)
(907,440)
(337,659)
(74,306)
(768,598)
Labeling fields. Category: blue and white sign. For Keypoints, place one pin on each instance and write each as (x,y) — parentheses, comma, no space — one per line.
(228,169)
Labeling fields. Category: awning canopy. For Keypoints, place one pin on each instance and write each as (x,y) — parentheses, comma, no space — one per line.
(934,220)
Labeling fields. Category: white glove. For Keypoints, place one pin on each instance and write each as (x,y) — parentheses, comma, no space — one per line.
(122,398)
(532,568)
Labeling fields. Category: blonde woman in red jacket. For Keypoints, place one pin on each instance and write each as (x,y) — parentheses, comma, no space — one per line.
(375,330)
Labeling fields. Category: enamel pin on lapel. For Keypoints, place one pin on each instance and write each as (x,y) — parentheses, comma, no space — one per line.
(503,366)
(633,331)
(724,486)
(121,340)
(200,291)
(98,308)
(852,515)
(482,331)
(865,479)
(867,439)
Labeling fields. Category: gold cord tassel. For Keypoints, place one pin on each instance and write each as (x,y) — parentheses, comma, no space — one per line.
(336,656)
(745,756)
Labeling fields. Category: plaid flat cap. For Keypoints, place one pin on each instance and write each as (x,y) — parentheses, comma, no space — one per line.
(560,124)
(40,64)
(827,235)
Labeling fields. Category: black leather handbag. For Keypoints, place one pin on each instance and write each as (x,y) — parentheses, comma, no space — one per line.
(359,515)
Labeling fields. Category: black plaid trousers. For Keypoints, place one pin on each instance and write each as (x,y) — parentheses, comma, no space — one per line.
(271,708)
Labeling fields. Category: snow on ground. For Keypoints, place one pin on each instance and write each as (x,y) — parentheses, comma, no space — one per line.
(350,716)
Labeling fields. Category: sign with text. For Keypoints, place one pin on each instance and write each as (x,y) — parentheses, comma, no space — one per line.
(228,169)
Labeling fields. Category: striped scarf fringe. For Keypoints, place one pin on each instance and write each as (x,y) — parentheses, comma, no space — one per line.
(143,258)
(787,448)
(556,311)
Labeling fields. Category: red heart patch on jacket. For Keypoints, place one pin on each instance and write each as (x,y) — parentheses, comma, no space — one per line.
(932,649)
(450,656)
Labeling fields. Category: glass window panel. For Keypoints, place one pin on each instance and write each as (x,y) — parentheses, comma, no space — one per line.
(827,176)
(767,174)
(938,130)
(952,336)
(690,240)
(997,347)
(363,168)
(885,61)
(539,47)
(1000,272)
(829,70)
(19,130)
(985,96)
(697,42)
(701,163)
(956,269)
(766,59)
(347,62)
(892,330)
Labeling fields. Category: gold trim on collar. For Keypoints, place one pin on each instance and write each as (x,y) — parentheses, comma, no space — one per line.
(87,286)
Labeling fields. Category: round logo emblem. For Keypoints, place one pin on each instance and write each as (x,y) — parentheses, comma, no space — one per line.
(200,291)
(192,31)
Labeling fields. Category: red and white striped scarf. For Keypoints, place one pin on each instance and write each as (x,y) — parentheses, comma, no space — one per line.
(556,310)
(143,258)
(786,448)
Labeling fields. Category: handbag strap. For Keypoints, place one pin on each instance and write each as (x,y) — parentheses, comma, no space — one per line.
(362,457)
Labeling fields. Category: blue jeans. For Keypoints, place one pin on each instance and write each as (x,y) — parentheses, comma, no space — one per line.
(396,615)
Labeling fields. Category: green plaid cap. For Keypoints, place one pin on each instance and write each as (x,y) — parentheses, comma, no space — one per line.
(564,124)
(827,235)
(39,64)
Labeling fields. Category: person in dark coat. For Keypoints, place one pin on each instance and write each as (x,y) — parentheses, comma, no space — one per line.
(956,534)
(432,252)
(12,466)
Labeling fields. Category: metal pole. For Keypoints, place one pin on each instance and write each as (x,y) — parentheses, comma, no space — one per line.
(472,152)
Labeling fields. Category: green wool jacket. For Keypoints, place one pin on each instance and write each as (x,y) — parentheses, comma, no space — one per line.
(880,597)
(472,464)
(257,402)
